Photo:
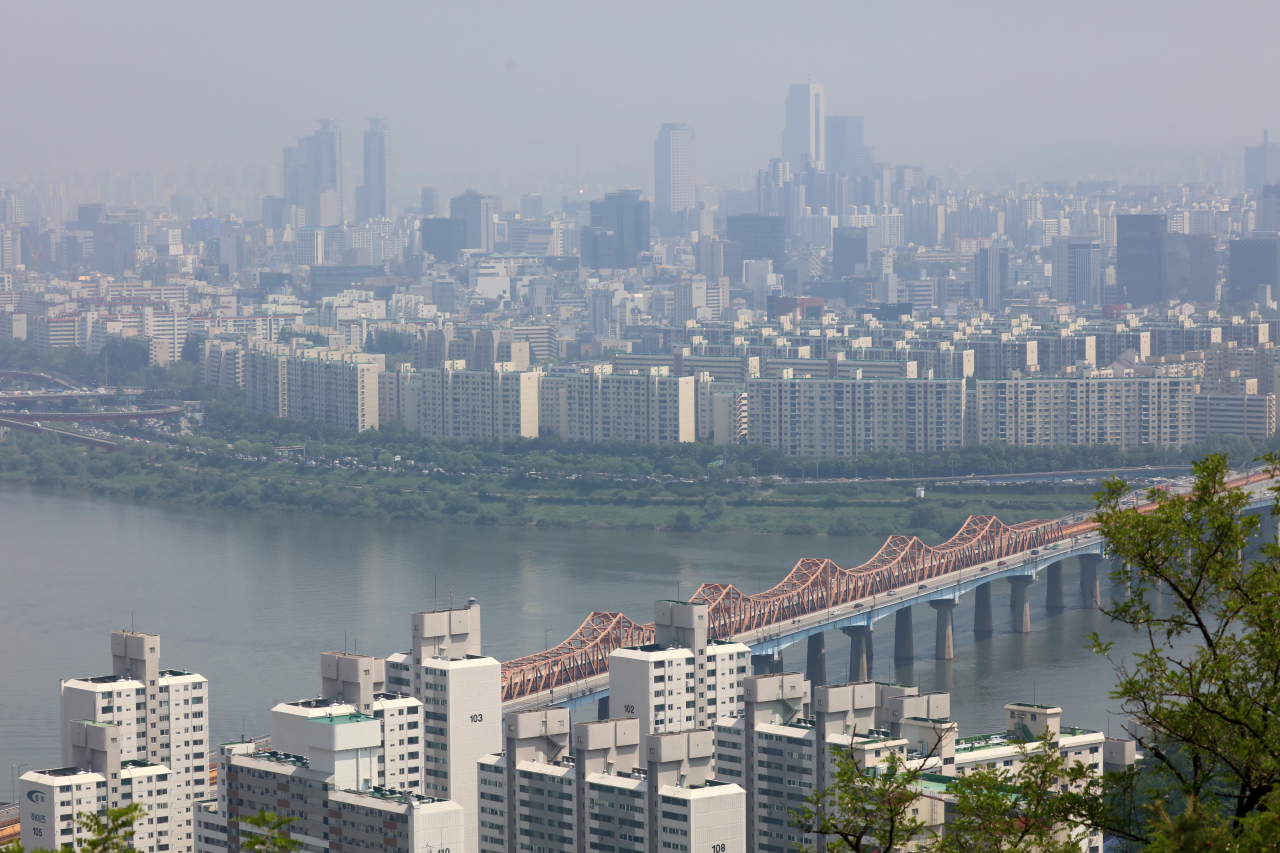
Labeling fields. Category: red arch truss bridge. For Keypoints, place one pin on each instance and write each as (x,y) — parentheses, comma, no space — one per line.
(584,654)
(813,585)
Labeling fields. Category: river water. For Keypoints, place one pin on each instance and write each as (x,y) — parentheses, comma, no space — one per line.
(250,600)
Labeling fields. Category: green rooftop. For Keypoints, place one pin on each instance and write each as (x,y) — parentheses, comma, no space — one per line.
(339,719)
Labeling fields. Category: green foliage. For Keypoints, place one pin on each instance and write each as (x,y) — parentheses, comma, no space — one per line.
(865,808)
(682,522)
(1032,808)
(845,526)
(268,835)
(1205,689)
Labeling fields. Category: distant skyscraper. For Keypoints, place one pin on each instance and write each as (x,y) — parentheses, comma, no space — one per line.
(1261,164)
(1141,273)
(620,230)
(990,269)
(846,147)
(850,249)
(804,136)
(1252,264)
(756,237)
(371,199)
(313,175)
(531,206)
(430,202)
(1077,270)
(477,211)
(1269,208)
(673,168)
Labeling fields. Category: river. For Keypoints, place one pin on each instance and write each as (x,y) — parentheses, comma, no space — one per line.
(250,600)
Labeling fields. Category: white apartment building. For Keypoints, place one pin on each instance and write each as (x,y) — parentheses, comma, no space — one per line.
(461,694)
(323,791)
(845,417)
(53,799)
(314,383)
(1129,411)
(682,681)
(621,792)
(470,405)
(646,406)
(142,732)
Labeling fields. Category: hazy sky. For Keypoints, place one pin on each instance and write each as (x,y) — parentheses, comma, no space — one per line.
(513,93)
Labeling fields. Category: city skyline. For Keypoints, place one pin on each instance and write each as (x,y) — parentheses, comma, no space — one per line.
(733,104)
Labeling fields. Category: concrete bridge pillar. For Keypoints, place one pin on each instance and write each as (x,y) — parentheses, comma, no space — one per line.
(1089,580)
(815,668)
(1056,600)
(982,609)
(945,649)
(903,639)
(766,664)
(859,652)
(1020,602)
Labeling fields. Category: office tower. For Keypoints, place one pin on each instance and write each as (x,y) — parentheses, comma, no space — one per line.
(804,136)
(476,211)
(990,270)
(619,231)
(673,168)
(770,187)
(371,199)
(1252,264)
(531,206)
(850,252)
(1269,208)
(1142,277)
(1261,164)
(430,203)
(846,149)
(312,175)
(1077,270)
(182,205)
(682,681)
(759,238)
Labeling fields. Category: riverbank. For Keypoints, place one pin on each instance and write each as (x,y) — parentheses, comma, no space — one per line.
(187,476)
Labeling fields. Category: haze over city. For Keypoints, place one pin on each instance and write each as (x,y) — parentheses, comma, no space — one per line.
(656,428)
(518,96)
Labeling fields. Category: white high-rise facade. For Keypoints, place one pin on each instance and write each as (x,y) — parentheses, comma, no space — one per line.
(804,136)
(137,735)
(683,681)
(673,168)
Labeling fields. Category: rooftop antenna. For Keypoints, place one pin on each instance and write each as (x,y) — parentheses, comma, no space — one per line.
(435,593)
(344,642)
(451,599)
(357,647)
(133,628)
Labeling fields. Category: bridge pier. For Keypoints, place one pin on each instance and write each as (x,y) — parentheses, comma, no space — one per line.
(859,652)
(766,664)
(1089,580)
(982,609)
(816,660)
(1056,600)
(945,648)
(1020,602)
(903,638)
(1121,568)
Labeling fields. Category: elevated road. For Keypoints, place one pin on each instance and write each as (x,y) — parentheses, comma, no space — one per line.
(819,596)
(76,417)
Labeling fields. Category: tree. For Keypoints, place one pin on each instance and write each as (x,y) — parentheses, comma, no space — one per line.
(1029,808)
(270,836)
(865,808)
(1205,689)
